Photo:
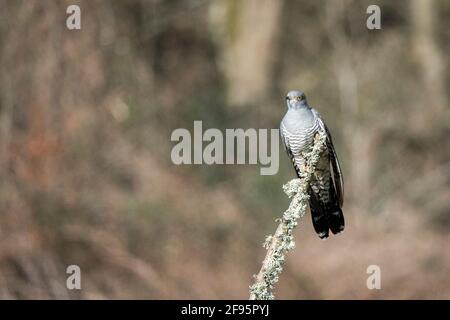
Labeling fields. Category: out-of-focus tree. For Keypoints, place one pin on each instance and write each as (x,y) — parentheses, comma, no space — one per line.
(430,60)
(246,32)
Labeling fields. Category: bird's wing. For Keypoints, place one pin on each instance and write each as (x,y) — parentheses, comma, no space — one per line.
(337,173)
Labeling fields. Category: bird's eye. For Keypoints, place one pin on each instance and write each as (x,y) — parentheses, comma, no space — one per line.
(287,98)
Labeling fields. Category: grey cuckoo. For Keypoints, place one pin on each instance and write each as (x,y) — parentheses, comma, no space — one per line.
(297,130)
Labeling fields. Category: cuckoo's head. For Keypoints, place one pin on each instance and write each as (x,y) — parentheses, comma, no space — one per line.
(296,99)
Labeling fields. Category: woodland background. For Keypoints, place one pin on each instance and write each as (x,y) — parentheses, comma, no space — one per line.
(85,124)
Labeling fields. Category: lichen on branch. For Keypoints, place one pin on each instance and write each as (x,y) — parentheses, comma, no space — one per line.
(282,240)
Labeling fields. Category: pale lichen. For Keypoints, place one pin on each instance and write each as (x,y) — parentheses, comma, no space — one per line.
(282,241)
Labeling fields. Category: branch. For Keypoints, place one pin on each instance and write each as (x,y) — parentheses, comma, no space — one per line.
(283,240)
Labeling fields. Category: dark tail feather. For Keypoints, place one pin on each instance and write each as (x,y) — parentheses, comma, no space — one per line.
(336,220)
(319,216)
(335,214)
(326,216)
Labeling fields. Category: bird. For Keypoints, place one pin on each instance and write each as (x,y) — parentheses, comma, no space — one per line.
(326,191)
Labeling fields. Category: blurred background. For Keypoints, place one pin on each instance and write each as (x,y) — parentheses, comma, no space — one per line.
(85,122)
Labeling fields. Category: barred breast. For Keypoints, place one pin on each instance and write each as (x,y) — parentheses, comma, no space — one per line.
(298,128)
